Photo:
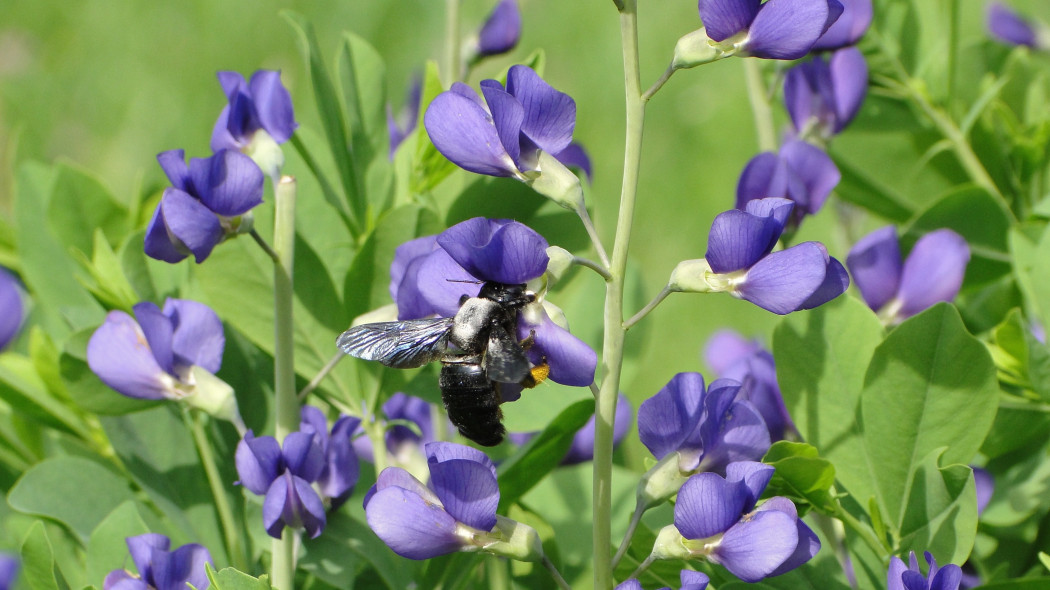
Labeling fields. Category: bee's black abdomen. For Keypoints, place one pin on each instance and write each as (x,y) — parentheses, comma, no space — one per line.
(472,401)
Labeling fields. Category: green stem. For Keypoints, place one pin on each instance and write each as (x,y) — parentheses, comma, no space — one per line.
(760,107)
(287,402)
(953,47)
(863,532)
(262,244)
(558,579)
(649,307)
(659,83)
(319,377)
(452,40)
(585,217)
(612,347)
(636,519)
(598,268)
(230,531)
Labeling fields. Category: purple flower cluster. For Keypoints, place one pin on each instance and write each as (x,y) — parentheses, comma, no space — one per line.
(430,275)
(284,474)
(897,290)
(12,311)
(746,361)
(210,198)
(160,568)
(901,577)
(716,518)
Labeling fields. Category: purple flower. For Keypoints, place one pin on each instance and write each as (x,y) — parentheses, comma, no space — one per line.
(823,96)
(420,522)
(160,568)
(341,470)
(717,519)
(900,577)
(504,134)
(1009,27)
(777,29)
(985,484)
(850,26)
(153,355)
(707,429)
(402,442)
(283,476)
(12,311)
(690,581)
(800,172)
(742,262)
(261,104)
(582,448)
(501,30)
(204,205)
(932,273)
(399,127)
(9,566)
(748,362)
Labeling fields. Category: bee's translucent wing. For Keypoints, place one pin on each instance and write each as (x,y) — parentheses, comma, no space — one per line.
(505,360)
(402,345)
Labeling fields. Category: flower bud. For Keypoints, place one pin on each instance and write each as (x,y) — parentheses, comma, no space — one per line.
(661,482)
(560,263)
(266,153)
(514,540)
(212,396)
(696,49)
(690,276)
(556,182)
(669,544)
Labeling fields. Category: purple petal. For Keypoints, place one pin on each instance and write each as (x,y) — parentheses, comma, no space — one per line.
(754,548)
(9,566)
(783,281)
(947,578)
(737,433)
(572,362)
(173,163)
(158,244)
(158,330)
(849,83)
(303,456)
(404,256)
(440,283)
(221,138)
(411,526)
(501,30)
(121,580)
(258,461)
(836,281)
(914,581)
(398,477)
(468,491)
(708,505)
(119,354)
(738,240)
(496,250)
(342,469)
(755,476)
(231,83)
(185,565)
(198,338)
(507,116)
(787,29)
(808,543)
(550,115)
(725,18)
(808,93)
(815,169)
(273,104)
(725,348)
(229,182)
(582,447)
(850,26)
(764,176)
(412,409)
(1010,27)
(440,451)
(894,574)
(693,580)
(631,584)
(875,263)
(667,419)
(985,488)
(312,421)
(465,134)
(759,378)
(141,549)
(190,225)
(291,502)
(933,271)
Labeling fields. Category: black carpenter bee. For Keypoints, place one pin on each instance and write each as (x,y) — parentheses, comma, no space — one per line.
(478,349)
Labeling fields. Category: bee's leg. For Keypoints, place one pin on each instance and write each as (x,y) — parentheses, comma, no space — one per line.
(529,341)
(537,374)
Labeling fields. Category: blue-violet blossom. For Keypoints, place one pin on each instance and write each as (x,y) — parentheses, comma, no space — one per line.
(823,95)
(341,469)
(12,312)
(501,30)
(932,273)
(799,171)
(746,361)
(400,126)
(1008,26)
(261,104)
(716,518)
(205,204)
(9,566)
(777,29)
(900,577)
(690,581)
(160,568)
(402,442)
(848,28)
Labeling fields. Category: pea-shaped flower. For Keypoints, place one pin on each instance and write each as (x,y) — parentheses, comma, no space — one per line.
(204,205)
(341,469)
(403,443)
(159,568)
(690,581)
(501,30)
(283,474)
(261,104)
(823,95)
(901,577)
(777,29)
(9,566)
(733,357)
(799,171)
(716,518)
(933,272)
(848,28)
(12,311)
(1008,26)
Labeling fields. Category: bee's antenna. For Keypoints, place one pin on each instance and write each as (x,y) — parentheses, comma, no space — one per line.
(464,281)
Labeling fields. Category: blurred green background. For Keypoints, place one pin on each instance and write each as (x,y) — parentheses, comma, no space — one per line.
(109,84)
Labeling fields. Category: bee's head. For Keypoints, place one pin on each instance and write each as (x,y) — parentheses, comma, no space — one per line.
(508,296)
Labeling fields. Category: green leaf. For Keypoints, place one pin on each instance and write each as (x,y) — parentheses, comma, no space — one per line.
(941,510)
(151,280)
(231,579)
(106,549)
(861,189)
(75,491)
(362,83)
(1020,584)
(1032,268)
(930,385)
(335,556)
(525,468)
(821,358)
(107,281)
(1021,360)
(80,206)
(801,474)
(979,218)
(38,561)
(27,394)
(430,166)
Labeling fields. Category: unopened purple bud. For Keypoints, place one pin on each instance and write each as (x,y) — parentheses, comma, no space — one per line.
(1010,27)
(501,31)
(159,568)
(12,311)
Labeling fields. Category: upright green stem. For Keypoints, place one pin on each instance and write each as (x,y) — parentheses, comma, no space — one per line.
(287,402)
(612,347)
(953,48)
(452,40)
(760,107)
(230,531)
